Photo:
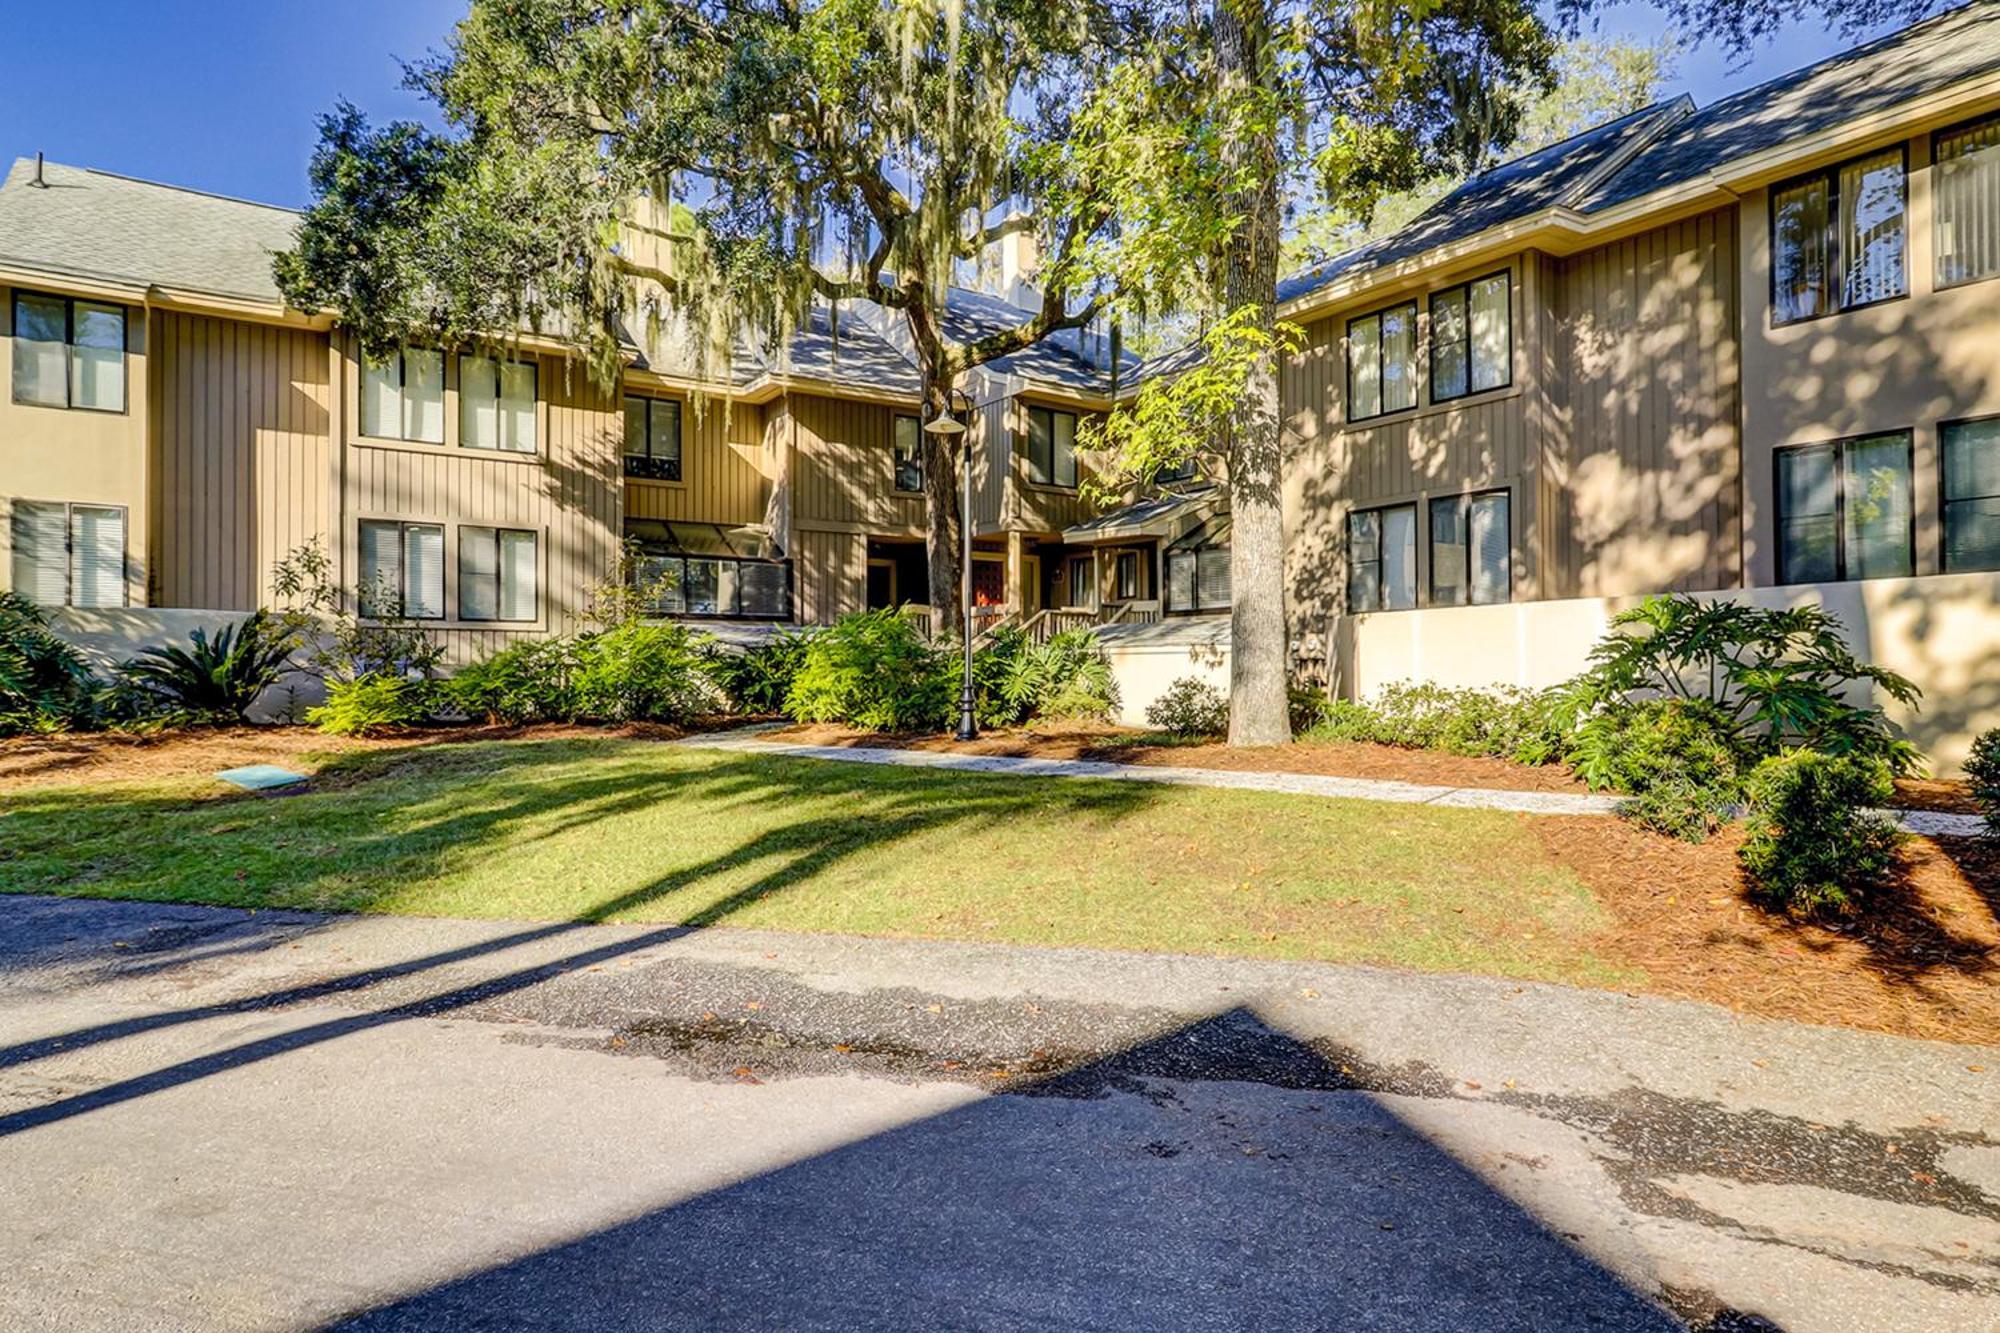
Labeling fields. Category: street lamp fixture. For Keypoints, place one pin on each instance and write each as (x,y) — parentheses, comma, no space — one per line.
(947,425)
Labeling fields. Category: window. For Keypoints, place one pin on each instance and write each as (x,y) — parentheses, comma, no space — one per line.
(69,353)
(909,446)
(1382,559)
(402,396)
(1844,510)
(1198,568)
(1472,338)
(701,569)
(1082,581)
(653,439)
(496,574)
(1051,447)
(1471,562)
(1382,362)
(1837,238)
(496,404)
(1965,192)
(402,571)
(1127,575)
(69,554)
(1971,495)
(1178,471)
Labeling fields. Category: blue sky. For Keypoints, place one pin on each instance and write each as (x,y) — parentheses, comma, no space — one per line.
(221,95)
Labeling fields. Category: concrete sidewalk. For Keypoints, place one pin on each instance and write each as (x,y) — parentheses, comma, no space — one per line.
(217,1119)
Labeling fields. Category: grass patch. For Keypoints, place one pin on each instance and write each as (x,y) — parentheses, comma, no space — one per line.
(608,829)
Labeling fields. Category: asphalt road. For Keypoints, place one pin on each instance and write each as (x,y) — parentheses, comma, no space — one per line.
(211,1119)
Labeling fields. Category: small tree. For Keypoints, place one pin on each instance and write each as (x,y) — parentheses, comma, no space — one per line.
(328,637)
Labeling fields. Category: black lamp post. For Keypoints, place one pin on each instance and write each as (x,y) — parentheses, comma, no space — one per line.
(946,425)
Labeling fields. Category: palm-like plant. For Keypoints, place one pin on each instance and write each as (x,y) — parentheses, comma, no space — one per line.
(218,677)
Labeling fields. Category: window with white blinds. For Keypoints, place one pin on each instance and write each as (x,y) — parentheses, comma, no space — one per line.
(69,554)
(496,404)
(496,574)
(1873,210)
(1471,564)
(909,459)
(1382,362)
(1198,580)
(1472,338)
(69,353)
(402,571)
(402,396)
(1382,559)
(1965,202)
(1839,237)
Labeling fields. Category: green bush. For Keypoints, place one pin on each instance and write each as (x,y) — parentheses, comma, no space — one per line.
(1673,756)
(1067,677)
(758,678)
(1506,722)
(45,685)
(1814,843)
(220,677)
(873,670)
(530,680)
(640,672)
(1309,705)
(1982,772)
(374,703)
(1190,707)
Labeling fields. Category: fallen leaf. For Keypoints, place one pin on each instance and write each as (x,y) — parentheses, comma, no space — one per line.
(753,1004)
(1309,993)
(933,1008)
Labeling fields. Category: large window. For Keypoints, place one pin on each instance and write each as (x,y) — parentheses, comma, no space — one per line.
(1382,559)
(402,570)
(496,574)
(402,396)
(1472,338)
(1965,193)
(69,353)
(1844,510)
(1470,550)
(909,447)
(1382,362)
(700,569)
(1838,238)
(1051,447)
(1198,568)
(69,554)
(653,439)
(1972,495)
(496,404)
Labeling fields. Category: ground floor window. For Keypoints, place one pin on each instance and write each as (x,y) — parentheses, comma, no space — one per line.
(1198,568)
(1382,559)
(702,569)
(1126,572)
(402,570)
(1844,510)
(1470,550)
(1082,580)
(69,554)
(1971,495)
(496,574)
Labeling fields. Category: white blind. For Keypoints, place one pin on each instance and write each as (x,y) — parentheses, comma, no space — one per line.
(1871,229)
(1212,565)
(40,357)
(1448,551)
(97,556)
(41,560)
(382,398)
(517,407)
(97,361)
(1492,353)
(381,568)
(1966,205)
(423,395)
(478,575)
(1399,558)
(423,571)
(1399,358)
(517,576)
(1364,368)
(1492,576)
(1180,580)
(478,402)
(1065,448)
(666,429)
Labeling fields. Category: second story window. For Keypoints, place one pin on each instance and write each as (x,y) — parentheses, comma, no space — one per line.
(1844,510)
(402,396)
(653,439)
(1838,238)
(1472,338)
(69,353)
(1382,362)
(1051,447)
(909,460)
(496,404)
(1966,202)
(1382,559)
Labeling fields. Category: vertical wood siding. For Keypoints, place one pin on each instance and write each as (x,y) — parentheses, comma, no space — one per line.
(723,469)
(831,571)
(242,454)
(843,466)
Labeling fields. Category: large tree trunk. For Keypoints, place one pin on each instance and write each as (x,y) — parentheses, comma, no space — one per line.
(943,456)
(1258,712)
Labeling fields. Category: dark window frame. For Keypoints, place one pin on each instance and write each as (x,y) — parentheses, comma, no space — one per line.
(1347,359)
(70,303)
(1945,132)
(652,467)
(499,576)
(1464,500)
(1945,501)
(69,508)
(1839,448)
(896,461)
(402,525)
(1048,480)
(1121,561)
(534,369)
(1431,310)
(1417,553)
(1829,175)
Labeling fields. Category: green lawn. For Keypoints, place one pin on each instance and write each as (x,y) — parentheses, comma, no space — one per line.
(628,830)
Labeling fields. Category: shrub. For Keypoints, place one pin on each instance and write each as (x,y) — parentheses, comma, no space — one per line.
(1814,844)
(873,670)
(530,680)
(1506,722)
(1190,707)
(45,685)
(220,677)
(758,678)
(1672,755)
(638,672)
(1065,677)
(1308,705)
(368,705)
(1982,771)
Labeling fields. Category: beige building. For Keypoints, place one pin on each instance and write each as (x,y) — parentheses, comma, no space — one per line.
(1742,350)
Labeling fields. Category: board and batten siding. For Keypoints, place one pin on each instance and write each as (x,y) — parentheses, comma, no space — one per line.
(1642,473)
(723,467)
(242,456)
(830,570)
(1044,511)
(843,467)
